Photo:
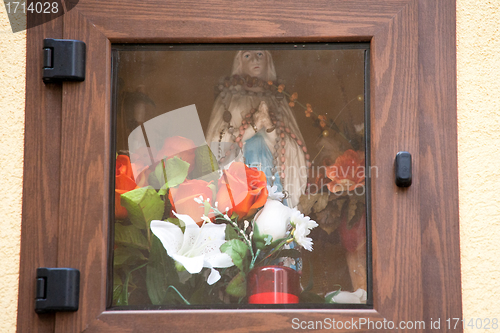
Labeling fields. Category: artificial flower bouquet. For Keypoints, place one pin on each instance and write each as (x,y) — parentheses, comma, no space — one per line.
(188,233)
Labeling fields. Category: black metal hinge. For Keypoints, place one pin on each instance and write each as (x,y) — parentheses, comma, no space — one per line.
(57,289)
(63,60)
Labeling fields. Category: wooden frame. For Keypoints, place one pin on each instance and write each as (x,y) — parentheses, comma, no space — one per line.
(415,238)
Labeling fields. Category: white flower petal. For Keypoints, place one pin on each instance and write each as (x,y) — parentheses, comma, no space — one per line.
(213,277)
(362,294)
(347,297)
(211,232)
(191,235)
(169,235)
(273,219)
(188,220)
(300,233)
(192,264)
(219,260)
(274,194)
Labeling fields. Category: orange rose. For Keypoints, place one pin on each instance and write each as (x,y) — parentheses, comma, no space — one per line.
(242,189)
(182,198)
(348,172)
(124,182)
(180,147)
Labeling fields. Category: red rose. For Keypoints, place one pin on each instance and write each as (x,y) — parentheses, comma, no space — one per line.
(347,173)
(124,182)
(182,198)
(180,147)
(242,189)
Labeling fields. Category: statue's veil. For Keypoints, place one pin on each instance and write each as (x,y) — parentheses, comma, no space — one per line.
(240,104)
(270,72)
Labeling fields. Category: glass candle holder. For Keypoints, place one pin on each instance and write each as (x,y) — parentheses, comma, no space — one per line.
(273,285)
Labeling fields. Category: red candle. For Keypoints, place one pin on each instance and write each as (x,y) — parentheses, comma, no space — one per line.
(273,285)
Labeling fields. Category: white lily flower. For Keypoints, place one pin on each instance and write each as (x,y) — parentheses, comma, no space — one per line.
(274,194)
(273,219)
(197,247)
(346,297)
(303,225)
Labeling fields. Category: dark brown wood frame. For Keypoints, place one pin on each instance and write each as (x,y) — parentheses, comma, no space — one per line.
(415,236)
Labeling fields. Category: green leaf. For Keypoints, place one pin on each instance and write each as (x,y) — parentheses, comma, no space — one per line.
(153,180)
(163,190)
(207,208)
(177,222)
(118,297)
(122,255)
(237,250)
(174,168)
(237,286)
(199,296)
(258,238)
(329,298)
(205,162)
(263,241)
(130,236)
(231,232)
(160,272)
(212,186)
(310,297)
(143,205)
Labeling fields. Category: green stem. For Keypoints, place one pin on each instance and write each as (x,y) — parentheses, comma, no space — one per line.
(178,293)
(235,225)
(276,249)
(317,115)
(127,278)
(252,264)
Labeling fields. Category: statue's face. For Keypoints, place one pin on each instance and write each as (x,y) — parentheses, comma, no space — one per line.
(254,63)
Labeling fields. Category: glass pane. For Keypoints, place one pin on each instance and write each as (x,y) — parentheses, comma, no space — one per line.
(240,176)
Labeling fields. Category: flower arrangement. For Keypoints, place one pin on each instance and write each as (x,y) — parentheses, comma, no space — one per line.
(191,234)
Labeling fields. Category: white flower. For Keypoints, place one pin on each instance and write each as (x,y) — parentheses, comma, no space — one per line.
(346,297)
(273,219)
(198,247)
(206,219)
(303,225)
(274,194)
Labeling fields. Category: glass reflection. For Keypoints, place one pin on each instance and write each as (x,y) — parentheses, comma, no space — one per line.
(268,176)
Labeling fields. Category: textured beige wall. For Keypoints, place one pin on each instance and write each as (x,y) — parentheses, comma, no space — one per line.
(12,75)
(478,66)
